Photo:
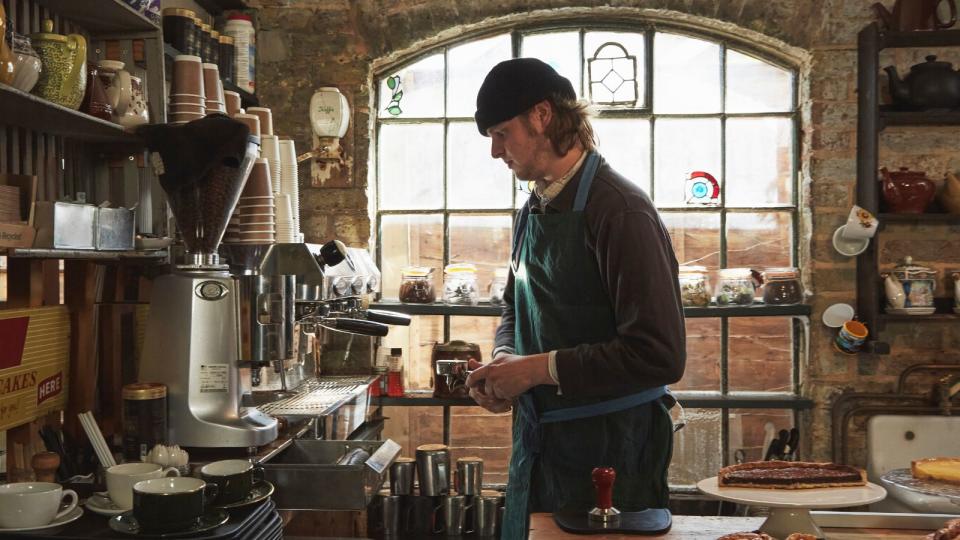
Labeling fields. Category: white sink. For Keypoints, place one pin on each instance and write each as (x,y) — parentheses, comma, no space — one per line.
(893,441)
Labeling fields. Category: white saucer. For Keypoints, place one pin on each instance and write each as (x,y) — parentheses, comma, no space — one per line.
(911,310)
(69,517)
(100,503)
(849,247)
(837,314)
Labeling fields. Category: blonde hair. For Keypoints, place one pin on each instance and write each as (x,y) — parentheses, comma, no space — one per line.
(570,124)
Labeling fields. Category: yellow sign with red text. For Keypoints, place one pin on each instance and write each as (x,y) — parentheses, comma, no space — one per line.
(34,363)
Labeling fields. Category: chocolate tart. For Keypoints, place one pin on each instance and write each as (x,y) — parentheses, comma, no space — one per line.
(791,475)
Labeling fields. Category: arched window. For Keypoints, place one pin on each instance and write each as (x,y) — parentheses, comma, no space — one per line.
(708,129)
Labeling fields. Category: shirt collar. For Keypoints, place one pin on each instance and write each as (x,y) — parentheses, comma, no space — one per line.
(548,191)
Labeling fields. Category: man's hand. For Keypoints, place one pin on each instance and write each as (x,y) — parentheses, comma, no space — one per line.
(509,376)
(477,388)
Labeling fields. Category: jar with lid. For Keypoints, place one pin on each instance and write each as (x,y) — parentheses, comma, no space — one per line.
(460,284)
(781,286)
(206,43)
(227,66)
(737,286)
(240,27)
(179,29)
(693,286)
(215,48)
(144,418)
(395,373)
(416,285)
(497,286)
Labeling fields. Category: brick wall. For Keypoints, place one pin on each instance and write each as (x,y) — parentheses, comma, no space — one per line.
(306,44)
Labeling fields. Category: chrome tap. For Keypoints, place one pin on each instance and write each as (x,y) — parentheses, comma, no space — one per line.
(945,390)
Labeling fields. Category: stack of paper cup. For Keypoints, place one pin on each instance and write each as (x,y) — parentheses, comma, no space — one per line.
(187,91)
(270,150)
(213,89)
(254,220)
(285,232)
(289,175)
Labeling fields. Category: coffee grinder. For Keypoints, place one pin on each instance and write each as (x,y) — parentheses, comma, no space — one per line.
(192,337)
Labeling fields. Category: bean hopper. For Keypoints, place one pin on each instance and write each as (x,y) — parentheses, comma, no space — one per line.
(191,342)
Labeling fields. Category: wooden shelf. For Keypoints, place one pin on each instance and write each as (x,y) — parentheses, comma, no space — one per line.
(486,309)
(40,253)
(918,118)
(686,399)
(919,38)
(936,317)
(29,111)
(216,7)
(108,17)
(919,219)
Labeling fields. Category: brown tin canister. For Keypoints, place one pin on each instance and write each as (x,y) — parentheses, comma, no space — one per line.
(144,419)
(453,384)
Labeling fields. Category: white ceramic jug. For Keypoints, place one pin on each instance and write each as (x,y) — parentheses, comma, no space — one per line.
(117,84)
(894,292)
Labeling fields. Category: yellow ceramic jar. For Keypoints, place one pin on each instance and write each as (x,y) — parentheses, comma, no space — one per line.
(63,78)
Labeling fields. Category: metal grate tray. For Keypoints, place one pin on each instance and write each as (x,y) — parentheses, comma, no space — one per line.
(319,397)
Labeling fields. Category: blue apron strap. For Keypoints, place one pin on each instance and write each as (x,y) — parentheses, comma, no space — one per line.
(603,407)
(586,180)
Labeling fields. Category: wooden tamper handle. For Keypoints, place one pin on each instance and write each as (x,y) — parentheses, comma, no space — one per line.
(603,478)
(45,465)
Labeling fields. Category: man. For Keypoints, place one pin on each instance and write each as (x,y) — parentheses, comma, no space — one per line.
(593,325)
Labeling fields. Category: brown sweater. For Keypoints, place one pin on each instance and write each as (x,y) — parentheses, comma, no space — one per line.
(639,272)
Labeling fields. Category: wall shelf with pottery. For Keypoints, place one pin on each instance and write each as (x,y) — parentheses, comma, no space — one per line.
(872,118)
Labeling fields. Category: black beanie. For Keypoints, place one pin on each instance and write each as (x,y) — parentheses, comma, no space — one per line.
(513,86)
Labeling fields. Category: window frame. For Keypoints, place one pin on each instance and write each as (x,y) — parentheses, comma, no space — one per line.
(722,399)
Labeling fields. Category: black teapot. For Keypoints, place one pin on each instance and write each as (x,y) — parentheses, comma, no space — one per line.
(929,85)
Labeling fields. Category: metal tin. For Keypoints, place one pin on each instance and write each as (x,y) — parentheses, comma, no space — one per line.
(144,419)
(433,469)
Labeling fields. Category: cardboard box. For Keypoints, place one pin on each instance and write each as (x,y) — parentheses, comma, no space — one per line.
(20,235)
(34,363)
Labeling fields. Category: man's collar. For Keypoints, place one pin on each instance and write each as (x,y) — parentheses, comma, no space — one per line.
(549,191)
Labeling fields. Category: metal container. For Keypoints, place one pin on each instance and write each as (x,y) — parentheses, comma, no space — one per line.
(454,515)
(485,511)
(64,225)
(469,475)
(307,477)
(401,476)
(115,229)
(433,469)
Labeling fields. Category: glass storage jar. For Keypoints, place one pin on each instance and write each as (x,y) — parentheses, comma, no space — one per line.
(693,286)
(781,286)
(736,287)
(416,285)
(497,286)
(460,284)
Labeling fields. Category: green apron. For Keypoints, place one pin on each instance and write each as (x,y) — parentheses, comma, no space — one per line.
(560,303)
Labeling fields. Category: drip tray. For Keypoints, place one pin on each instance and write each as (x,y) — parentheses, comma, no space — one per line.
(308,477)
(318,397)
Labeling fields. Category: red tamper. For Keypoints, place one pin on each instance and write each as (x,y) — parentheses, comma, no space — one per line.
(603,478)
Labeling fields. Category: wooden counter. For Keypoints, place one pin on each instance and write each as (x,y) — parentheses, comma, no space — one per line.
(542,527)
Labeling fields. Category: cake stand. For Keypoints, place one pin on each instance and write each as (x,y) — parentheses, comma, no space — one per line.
(900,480)
(790,508)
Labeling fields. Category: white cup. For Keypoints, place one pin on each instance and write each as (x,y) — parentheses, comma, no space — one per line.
(861,225)
(121,478)
(33,504)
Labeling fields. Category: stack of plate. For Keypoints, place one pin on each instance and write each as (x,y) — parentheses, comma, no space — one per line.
(289,184)
(9,204)
(254,220)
